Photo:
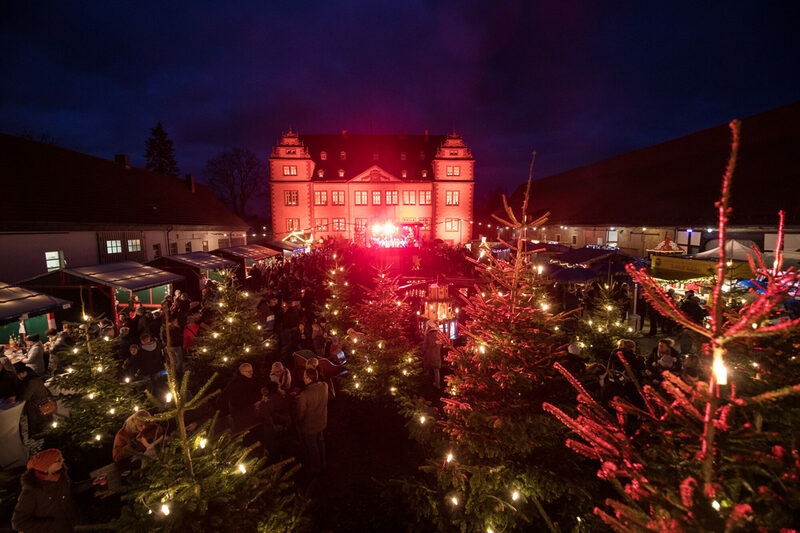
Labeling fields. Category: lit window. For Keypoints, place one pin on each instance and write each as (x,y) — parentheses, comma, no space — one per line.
(114,247)
(424,173)
(426,222)
(322,224)
(361,198)
(291,197)
(292,224)
(337,197)
(290,170)
(404,173)
(320,197)
(424,197)
(453,171)
(452,197)
(391,197)
(376,197)
(341,173)
(205,246)
(361,224)
(451,224)
(188,247)
(409,197)
(134,245)
(338,224)
(323,155)
(402,156)
(343,155)
(54,260)
(320,173)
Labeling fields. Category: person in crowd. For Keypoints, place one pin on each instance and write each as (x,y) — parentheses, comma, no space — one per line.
(148,362)
(691,307)
(335,351)
(172,340)
(275,412)
(140,322)
(191,330)
(572,360)
(318,339)
(107,328)
(685,342)
(125,340)
(663,357)
(280,375)
(302,338)
(8,379)
(56,346)
(240,397)
(32,391)
(312,419)
(45,503)
(34,358)
(692,371)
(432,352)
(619,379)
(136,437)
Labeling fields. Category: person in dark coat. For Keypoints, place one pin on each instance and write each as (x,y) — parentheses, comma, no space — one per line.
(45,504)
(34,358)
(8,379)
(691,307)
(312,419)
(664,357)
(32,391)
(241,396)
(432,352)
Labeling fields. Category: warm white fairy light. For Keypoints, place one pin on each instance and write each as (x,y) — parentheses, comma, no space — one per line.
(369,369)
(215,335)
(168,397)
(242,468)
(224,359)
(98,437)
(357,385)
(258,328)
(247,350)
(454,500)
(85,318)
(112,411)
(515,495)
(135,408)
(74,350)
(392,389)
(405,372)
(230,320)
(127,380)
(247,294)
(91,396)
(54,424)
(422,419)
(205,350)
(449,457)
(106,338)
(718,367)
(202,443)
(408,359)
(70,370)
(715,504)
(165,509)
(99,368)
(221,304)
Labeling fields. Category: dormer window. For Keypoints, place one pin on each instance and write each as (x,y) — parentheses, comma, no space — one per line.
(402,156)
(404,174)
(341,172)
(422,156)
(321,173)
(375,156)
(323,155)
(291,151)
(343,155)
(424,173)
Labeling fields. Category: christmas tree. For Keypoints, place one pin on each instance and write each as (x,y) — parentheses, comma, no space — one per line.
(603,324)
(160,152)
(338,310)
(235,334)
(99,399)
(205,481)
(496,461)
(381,355)
(709,451)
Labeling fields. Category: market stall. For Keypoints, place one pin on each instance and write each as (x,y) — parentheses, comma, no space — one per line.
(101,288)
(246,256)
(196,268)
(24,311)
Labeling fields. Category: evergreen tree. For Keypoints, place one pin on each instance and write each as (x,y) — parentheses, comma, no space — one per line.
(160,152)
(99,399)
(207,481)
(338,310)
(381,355)
(703,454)
(598,331)
(496,461)
(235,334)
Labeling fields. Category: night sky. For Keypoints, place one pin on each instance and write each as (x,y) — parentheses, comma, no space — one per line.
(576,81)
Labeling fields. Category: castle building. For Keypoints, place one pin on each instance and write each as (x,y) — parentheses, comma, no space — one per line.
(372,189)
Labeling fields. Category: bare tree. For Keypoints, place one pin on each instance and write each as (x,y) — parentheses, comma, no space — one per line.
(236,176)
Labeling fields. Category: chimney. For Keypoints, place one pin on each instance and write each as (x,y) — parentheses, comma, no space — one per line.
(426,135)
(123,159)
(344,134)
(190,182)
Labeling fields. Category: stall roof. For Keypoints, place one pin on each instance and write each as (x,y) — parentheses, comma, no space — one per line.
(126,275)
(249,251)
(202,260)
(284,246)
(17,301)
(588,255)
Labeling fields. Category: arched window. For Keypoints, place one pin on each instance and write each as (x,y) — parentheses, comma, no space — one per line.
(341,172)
(323,155)
(342,155)
(424,173)
(321,173)
(405,174)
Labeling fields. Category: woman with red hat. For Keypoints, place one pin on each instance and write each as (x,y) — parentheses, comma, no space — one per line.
(45,503)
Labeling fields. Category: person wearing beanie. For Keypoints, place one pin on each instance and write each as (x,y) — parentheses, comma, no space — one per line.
(45,503)
(281,375)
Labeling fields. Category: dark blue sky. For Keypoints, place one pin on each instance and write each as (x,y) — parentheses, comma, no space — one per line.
(577,81)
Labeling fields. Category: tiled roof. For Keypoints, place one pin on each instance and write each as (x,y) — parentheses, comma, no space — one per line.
(48,186)
(676,183)
(361,149)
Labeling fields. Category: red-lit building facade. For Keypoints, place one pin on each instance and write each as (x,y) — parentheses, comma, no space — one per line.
(346,185)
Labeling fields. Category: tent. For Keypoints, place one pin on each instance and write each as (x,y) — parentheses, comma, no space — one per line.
(18,303)
(668,246)
(195,267)
(734,250)
(245,256)
(101,287)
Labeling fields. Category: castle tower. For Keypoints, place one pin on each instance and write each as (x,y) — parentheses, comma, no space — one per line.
(290,170)
(453,190)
